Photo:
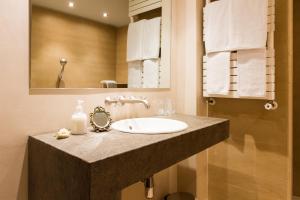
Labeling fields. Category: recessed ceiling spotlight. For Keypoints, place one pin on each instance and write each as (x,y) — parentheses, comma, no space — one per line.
(71,4)
(105,14)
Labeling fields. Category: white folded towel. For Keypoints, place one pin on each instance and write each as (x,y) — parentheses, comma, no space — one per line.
(216,22)
(151,73)
(248,24)
(109,83)
(135,74)
(235,24)
(151,38)
(135,41)
(251,66)
(218,73)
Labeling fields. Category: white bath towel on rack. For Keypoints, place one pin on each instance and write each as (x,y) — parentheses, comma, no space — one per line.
(218,73)
(151,38)
(135,74)
(235,24)
(248,24)
(151,73)
(135,41)
(251,65)
(216,26)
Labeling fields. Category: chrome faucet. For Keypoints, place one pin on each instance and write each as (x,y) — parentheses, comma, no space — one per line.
(123,100)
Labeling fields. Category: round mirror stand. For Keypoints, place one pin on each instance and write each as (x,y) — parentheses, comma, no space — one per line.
(100,120)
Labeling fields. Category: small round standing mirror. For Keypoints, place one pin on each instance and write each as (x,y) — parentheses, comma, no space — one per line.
(100,119)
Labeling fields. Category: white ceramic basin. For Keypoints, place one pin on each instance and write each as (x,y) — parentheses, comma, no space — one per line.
(149,125)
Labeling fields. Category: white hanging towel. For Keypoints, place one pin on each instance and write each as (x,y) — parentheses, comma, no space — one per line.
(216,26)
(218,73)
(248,24)
(135,41)
(151,73)
(135,74)
(151,38)
(251,66)
(235,24)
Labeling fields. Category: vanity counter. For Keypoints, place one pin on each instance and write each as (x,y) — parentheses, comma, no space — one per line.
(99,165)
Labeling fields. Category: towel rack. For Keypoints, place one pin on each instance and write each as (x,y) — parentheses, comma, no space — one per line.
(270,75)
(137,7)
(270,105)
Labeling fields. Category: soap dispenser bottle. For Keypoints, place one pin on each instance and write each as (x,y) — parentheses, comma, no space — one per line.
(79,120)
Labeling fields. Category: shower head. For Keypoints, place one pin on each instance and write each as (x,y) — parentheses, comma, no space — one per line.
(63,61)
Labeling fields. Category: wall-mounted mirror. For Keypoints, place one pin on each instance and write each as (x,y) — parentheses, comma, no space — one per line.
(100,44)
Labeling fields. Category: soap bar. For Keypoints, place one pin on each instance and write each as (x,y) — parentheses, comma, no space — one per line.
(62,134)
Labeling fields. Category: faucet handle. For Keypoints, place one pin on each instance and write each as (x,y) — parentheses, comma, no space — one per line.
(107,99)
(110,100)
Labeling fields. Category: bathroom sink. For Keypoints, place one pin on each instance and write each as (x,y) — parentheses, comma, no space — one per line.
(149,125)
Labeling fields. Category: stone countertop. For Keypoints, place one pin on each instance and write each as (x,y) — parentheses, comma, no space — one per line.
(97,166)
(93,147)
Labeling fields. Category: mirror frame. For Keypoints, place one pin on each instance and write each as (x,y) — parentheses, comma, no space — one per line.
(166,47)
(96,127)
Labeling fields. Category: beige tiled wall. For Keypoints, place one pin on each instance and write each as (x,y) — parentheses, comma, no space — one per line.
(254,164)
(89,47)
(187,47)
(121,63)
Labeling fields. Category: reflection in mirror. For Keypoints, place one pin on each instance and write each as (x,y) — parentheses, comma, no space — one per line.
(101,119)
(92,44)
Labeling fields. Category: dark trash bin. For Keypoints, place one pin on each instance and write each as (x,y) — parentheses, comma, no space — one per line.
(180,196)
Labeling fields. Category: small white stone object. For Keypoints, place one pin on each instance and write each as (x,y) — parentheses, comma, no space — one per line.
(63,133)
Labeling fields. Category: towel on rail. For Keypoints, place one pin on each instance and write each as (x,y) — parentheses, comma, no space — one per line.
(151,73)
(216,26)
(135,41)
(251,66)
(151,38)
(248,24)
(235,24)
(135,74)
(218,73)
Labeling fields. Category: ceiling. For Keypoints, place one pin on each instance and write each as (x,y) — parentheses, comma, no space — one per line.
(92,9)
